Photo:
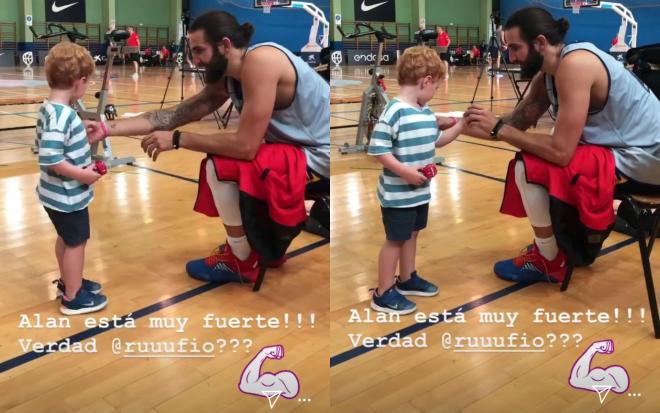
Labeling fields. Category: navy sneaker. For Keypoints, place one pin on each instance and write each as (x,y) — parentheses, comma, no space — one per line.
(85,302)
(89,285)
(392,302)
(416,285)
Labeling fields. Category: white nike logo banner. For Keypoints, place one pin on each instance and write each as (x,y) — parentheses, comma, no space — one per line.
(364,7)
(72,11)
(375,10)
(57,9)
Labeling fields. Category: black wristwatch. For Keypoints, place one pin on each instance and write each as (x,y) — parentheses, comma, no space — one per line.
(176,137)
(497,128)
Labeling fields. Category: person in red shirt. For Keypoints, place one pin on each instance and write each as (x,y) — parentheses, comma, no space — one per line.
(164,55)
(458,55)
(134,40)
(444,41)
(475,53)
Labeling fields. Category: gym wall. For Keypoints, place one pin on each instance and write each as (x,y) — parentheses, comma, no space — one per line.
(93,11)
(146,12)
(288,27)
(135,12)
(598,26)
(457,12)
(10,11)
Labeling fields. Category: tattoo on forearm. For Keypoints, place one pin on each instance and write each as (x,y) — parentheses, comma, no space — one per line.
(162,119)
(525,115)
(188,111)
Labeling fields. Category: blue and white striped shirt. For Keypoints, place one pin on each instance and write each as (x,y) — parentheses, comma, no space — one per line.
(408,133)
(62,138)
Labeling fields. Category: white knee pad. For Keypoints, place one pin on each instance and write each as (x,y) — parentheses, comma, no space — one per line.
(535,199)
(225,197)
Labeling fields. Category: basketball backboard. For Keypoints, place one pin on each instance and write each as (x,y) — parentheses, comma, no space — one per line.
(259,4)
(576,5)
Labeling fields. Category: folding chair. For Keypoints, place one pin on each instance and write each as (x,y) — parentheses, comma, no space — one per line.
(644,207)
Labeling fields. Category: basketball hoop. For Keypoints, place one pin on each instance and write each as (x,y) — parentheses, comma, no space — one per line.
(575,5)
(267,4)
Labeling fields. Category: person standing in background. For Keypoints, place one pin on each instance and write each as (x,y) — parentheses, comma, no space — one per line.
(134,41)
(444,41)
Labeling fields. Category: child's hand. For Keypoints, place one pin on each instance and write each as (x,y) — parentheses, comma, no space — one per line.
(96,131)
(445,122)
(88,175)
(429,171)
(412,176)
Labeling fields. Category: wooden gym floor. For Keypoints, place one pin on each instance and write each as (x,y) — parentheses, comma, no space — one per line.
(466,235)
(143,233)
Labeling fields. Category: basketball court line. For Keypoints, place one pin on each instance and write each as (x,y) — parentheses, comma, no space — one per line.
(27,357)
(447,103)
(463,308)
(343,118)
(357,351)
(83,335)
(487,146)
(472,172)
(3,113)
(158,171)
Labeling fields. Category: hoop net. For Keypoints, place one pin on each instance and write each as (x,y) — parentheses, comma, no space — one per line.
(267,4)
(576,4)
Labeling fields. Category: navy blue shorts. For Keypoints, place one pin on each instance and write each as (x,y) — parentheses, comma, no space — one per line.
(400,223)
(73,227)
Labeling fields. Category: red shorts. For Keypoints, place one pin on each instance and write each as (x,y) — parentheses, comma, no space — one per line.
(277,176)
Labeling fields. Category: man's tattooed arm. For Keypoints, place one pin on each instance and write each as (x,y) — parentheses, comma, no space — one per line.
(195,108)
(532,107)
(192,109)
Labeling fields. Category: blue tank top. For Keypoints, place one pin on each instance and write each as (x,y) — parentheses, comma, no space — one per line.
(306,121)
(629,123)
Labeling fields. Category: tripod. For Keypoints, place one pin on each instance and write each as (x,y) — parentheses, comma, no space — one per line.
(494,44)
(183,55)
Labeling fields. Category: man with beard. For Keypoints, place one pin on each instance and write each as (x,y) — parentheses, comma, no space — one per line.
(255,177)
(607,133)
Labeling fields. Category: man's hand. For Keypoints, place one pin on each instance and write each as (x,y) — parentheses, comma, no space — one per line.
(156,143)
(95,131)
(412,176)
(479,122)
(88,175)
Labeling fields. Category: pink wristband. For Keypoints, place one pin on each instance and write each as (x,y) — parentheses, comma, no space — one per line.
(104,129)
